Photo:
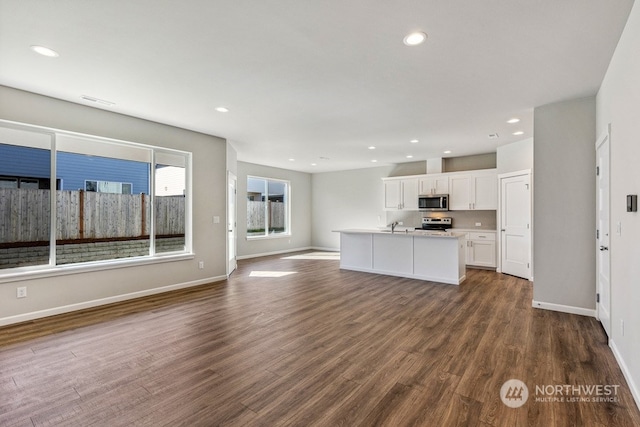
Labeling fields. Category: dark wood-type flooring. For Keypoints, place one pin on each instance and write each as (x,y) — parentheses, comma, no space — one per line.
(319,347)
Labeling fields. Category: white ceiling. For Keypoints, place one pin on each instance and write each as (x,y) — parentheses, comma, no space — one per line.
(308,80)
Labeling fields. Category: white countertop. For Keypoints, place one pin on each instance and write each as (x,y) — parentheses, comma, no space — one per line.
(405,232)
(473,230)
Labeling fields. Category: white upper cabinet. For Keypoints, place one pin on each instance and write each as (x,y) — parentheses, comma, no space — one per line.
(471,190)
(485,190)
(401,194)
(433,184)
(460,192)
(410,194)
(474,190)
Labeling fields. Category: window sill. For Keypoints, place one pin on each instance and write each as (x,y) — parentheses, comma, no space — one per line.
(271,236)
(63,270)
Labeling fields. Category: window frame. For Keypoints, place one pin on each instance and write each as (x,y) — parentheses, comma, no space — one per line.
(287,209)
(51,268)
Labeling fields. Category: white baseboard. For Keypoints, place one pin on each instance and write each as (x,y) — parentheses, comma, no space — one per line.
(285,251)
(319,248)
(635,391)
(564,308)
(103,301)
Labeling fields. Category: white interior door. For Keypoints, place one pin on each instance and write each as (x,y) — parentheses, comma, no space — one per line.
(231,222)
(602,233)
(515,225)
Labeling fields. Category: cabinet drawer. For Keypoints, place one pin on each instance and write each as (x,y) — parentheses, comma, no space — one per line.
(475,235)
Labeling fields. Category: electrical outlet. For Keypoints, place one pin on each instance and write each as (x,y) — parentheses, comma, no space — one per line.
(478,224)
(201,265)
(400,223)
(216,219)
(622,327)
(21,292)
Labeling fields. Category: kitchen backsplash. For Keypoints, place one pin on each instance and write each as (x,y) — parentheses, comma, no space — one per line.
(461,219)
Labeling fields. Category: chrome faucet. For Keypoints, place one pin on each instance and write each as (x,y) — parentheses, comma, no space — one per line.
(393,226)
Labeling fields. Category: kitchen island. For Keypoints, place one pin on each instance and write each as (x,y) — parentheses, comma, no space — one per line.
(426,255)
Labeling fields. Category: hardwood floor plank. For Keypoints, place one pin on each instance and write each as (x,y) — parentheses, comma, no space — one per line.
(320,347)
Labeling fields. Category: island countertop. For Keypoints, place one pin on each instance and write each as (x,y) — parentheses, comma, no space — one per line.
(405,232)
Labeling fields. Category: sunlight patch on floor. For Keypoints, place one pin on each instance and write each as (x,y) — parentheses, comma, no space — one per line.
(335,256)
(271,273)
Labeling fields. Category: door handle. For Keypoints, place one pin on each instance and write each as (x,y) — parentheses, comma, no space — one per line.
(604,248)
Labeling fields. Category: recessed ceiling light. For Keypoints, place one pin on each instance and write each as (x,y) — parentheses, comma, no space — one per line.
(409,156)
(518,133)
(45,51)
(373,161)
(414,141)
(415,39)
(222,109)
(447,152)
(292,160)
(314,164)
(514,120)
(372,148)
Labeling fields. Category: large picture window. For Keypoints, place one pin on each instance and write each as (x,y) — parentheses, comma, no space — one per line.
(267,207)
(25,211)
(103,204)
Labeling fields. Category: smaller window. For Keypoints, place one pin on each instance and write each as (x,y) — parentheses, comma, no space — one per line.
(267,207)
(108,187)
(29,183)
(8,183)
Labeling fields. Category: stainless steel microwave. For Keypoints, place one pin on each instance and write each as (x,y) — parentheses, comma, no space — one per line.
(433,202)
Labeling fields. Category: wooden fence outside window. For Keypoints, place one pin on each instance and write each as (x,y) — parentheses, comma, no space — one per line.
(25,213)
(256,216)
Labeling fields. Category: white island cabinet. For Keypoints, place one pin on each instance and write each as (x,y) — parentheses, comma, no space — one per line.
(433,256)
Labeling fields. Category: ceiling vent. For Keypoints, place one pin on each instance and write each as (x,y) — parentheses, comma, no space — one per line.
(493,136)
(97,100)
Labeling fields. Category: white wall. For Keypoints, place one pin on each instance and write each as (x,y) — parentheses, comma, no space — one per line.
(66,292)
(515,157)
(348,199)
(300,212)
(564,200)
(618,103)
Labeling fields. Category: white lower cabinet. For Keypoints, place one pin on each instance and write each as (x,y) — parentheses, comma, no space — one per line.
(481,249)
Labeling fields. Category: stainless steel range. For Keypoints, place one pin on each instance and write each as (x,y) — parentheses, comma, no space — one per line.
(442,224)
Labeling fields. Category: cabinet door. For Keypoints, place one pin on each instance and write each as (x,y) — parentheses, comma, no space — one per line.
(441,185)
(485,189)
(410,194)
(425,186)
(392,194)
(482,253)
(460,192)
